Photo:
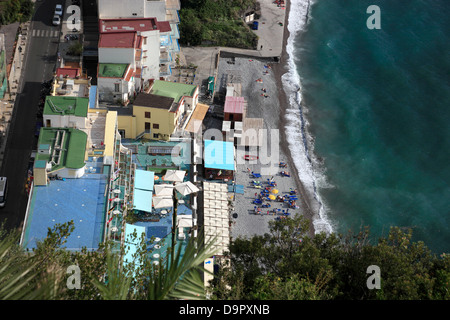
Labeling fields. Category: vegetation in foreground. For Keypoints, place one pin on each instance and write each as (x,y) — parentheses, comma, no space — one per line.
(216,23)
(285,264)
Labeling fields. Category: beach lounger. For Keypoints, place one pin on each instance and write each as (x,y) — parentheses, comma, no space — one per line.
(256,175)
(257,201)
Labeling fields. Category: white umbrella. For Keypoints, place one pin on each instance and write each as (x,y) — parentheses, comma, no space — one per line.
(186,188)
(163,190)
(174,175)
(185,221)
(162,202)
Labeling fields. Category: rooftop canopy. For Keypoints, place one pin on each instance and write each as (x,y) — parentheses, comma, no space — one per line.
(219,155)
(144,179)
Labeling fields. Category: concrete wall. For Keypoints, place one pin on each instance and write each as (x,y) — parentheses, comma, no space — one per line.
(116,55)
(67,121)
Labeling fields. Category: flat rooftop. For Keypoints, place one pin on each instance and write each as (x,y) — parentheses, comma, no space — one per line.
(72,144)
(133,24)
(112,70)
(119,40)
(80,200)
(66,105)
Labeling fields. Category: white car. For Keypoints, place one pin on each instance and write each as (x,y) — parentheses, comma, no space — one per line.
(56,20)
(59,10)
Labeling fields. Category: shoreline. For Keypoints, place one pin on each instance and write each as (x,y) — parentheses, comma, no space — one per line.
(279,69)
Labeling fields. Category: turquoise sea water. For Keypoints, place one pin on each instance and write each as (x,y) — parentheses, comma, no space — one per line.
(377,104)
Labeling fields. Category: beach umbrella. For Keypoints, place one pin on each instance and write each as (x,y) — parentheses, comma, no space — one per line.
(156,177)
(272,197)
(186,188)
(163,190)
(275,191)
(174,175)
(162,202)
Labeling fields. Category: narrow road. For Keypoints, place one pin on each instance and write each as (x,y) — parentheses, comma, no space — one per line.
(38,66)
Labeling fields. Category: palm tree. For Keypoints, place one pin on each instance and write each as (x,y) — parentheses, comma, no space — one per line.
(20,277)
(179,277)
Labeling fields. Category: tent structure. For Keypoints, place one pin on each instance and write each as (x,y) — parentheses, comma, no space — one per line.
(174,175)
(162,202)
(215,213)
(186,188)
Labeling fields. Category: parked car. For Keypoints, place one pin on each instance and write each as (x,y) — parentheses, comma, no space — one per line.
(56,20)
(59,10)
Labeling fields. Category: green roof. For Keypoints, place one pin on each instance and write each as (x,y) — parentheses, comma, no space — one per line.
(173,90)
(112,70)
(57,105)
(73,147)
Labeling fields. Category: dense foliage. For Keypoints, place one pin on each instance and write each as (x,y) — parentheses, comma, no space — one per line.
(15,10)
(288,264)
(47,271)
(217,23)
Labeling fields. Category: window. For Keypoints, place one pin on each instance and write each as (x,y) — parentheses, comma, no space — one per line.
(156,135)
(147,126)
(116,87)
(148,115)
(155,126)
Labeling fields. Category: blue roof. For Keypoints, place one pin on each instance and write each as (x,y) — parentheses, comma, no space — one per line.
(92,96)
(219,155)
(81,200)
(142,200)
(144,180)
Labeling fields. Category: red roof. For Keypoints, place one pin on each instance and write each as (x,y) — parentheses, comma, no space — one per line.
(118,40)
(130,72)
(69,72)
(234,104)
(164,26)
(133,24)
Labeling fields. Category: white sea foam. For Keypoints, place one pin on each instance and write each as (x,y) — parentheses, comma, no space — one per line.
(300,142)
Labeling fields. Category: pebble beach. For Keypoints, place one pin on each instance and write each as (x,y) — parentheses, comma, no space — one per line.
(260,88)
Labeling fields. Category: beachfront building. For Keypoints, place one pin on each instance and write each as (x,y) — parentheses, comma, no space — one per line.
(161,113)
(115,82)
(139,42)
(163,10)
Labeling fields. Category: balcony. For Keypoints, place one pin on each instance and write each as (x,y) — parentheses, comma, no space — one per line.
(165,70)
(165,57)
(173,4)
